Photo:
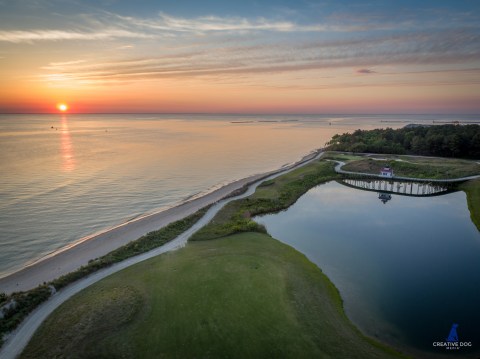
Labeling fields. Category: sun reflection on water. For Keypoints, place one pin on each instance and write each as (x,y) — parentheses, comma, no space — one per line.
(66,147)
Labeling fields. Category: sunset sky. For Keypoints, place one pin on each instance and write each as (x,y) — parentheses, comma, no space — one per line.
(372,56)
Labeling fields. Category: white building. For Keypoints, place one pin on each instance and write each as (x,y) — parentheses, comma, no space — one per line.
(386,172)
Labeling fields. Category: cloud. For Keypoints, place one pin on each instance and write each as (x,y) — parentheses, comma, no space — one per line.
(217,60)
(228,47)
(365,71)
(66,63)
(108,26)
(215,23)
(155,69)
(165,22)
(203,24)
(113,26)
(29,36)
(125,47)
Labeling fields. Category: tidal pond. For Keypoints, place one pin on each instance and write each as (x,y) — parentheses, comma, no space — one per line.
(407,268)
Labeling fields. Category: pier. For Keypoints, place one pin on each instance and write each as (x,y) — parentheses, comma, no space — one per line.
(405,188)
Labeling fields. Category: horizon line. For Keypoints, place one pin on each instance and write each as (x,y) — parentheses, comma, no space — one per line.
(241,113)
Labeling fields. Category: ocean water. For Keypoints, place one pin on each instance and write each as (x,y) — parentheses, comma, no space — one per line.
(64,177)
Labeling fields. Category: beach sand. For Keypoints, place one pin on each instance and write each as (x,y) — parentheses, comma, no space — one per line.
(69,259)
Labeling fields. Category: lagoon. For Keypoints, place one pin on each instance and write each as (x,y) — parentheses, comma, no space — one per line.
(406,269)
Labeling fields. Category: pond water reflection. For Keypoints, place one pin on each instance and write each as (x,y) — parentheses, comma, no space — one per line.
(406,269)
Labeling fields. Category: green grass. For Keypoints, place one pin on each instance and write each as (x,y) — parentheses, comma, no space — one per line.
(472,189)
(29,300)
(344,157)
(143,244)
(86,326)
(407,166)
(246,295)
(271,196)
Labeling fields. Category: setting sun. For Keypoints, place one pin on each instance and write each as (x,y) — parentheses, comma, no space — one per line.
(62,107)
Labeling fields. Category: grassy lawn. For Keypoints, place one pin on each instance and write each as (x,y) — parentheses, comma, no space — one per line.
(417,167)
(246,295)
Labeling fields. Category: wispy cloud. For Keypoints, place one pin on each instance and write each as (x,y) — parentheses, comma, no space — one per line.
(211,23)
(205,24)
(125,47)
(107,25)
(337,22)
(31,36)
(232,61)
(66,63)
(230,47)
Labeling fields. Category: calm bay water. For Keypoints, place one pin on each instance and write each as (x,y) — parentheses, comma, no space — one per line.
(64,177)
(406,270)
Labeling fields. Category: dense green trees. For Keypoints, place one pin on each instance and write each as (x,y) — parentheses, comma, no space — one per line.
(444,141)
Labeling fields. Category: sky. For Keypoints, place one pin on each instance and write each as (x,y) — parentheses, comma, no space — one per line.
(209,56)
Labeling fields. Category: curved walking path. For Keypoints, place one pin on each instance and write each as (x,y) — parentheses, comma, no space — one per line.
(18,339)
(340,164)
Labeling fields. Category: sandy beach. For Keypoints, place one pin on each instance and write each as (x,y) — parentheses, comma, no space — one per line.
(73,257)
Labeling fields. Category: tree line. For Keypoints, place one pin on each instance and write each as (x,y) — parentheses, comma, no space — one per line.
(462,141)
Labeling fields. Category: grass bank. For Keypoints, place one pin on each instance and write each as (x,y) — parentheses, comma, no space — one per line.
(271,196)
(245,295)
(472,189)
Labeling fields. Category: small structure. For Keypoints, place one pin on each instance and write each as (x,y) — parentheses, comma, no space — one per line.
(386,172)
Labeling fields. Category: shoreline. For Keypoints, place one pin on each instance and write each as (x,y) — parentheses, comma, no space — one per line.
(73,256)
(16,340)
